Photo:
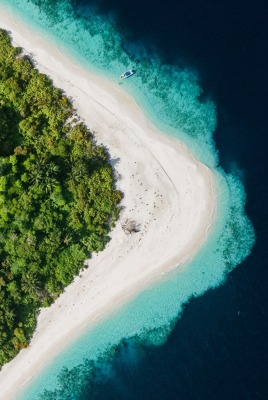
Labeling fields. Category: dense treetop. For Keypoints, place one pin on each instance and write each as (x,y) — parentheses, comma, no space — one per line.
(57,196)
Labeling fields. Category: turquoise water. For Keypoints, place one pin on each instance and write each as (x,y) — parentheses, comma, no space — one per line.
(172,99)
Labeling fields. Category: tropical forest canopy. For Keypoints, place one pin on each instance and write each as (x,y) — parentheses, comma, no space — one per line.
(57,196)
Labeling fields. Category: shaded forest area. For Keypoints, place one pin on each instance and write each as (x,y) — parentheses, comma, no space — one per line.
(58,199)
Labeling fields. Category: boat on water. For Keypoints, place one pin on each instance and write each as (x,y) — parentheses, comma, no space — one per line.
(128,73)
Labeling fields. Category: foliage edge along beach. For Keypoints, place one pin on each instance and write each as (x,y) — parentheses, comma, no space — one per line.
(58,199)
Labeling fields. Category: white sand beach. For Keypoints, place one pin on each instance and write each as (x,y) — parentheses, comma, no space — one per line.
(170,195)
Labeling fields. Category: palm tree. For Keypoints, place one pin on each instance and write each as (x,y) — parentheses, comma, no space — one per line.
(79,170)
(48,184)
(67,239)
(36,176)
(44,175)
(52,169)
(30,283)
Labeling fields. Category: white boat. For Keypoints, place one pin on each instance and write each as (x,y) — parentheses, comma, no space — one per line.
(128,73)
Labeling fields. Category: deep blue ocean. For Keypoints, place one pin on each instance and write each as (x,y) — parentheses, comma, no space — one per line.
(218,349)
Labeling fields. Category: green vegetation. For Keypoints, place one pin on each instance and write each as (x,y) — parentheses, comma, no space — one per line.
(57,196)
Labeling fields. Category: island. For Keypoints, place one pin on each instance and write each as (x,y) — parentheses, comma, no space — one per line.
(86,171)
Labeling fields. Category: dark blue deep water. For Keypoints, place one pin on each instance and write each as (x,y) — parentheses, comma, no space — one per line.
(218,349)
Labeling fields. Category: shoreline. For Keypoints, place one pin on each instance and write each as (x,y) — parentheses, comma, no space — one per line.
(167,191)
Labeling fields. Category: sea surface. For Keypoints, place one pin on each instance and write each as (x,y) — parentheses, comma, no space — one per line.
(200,76)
